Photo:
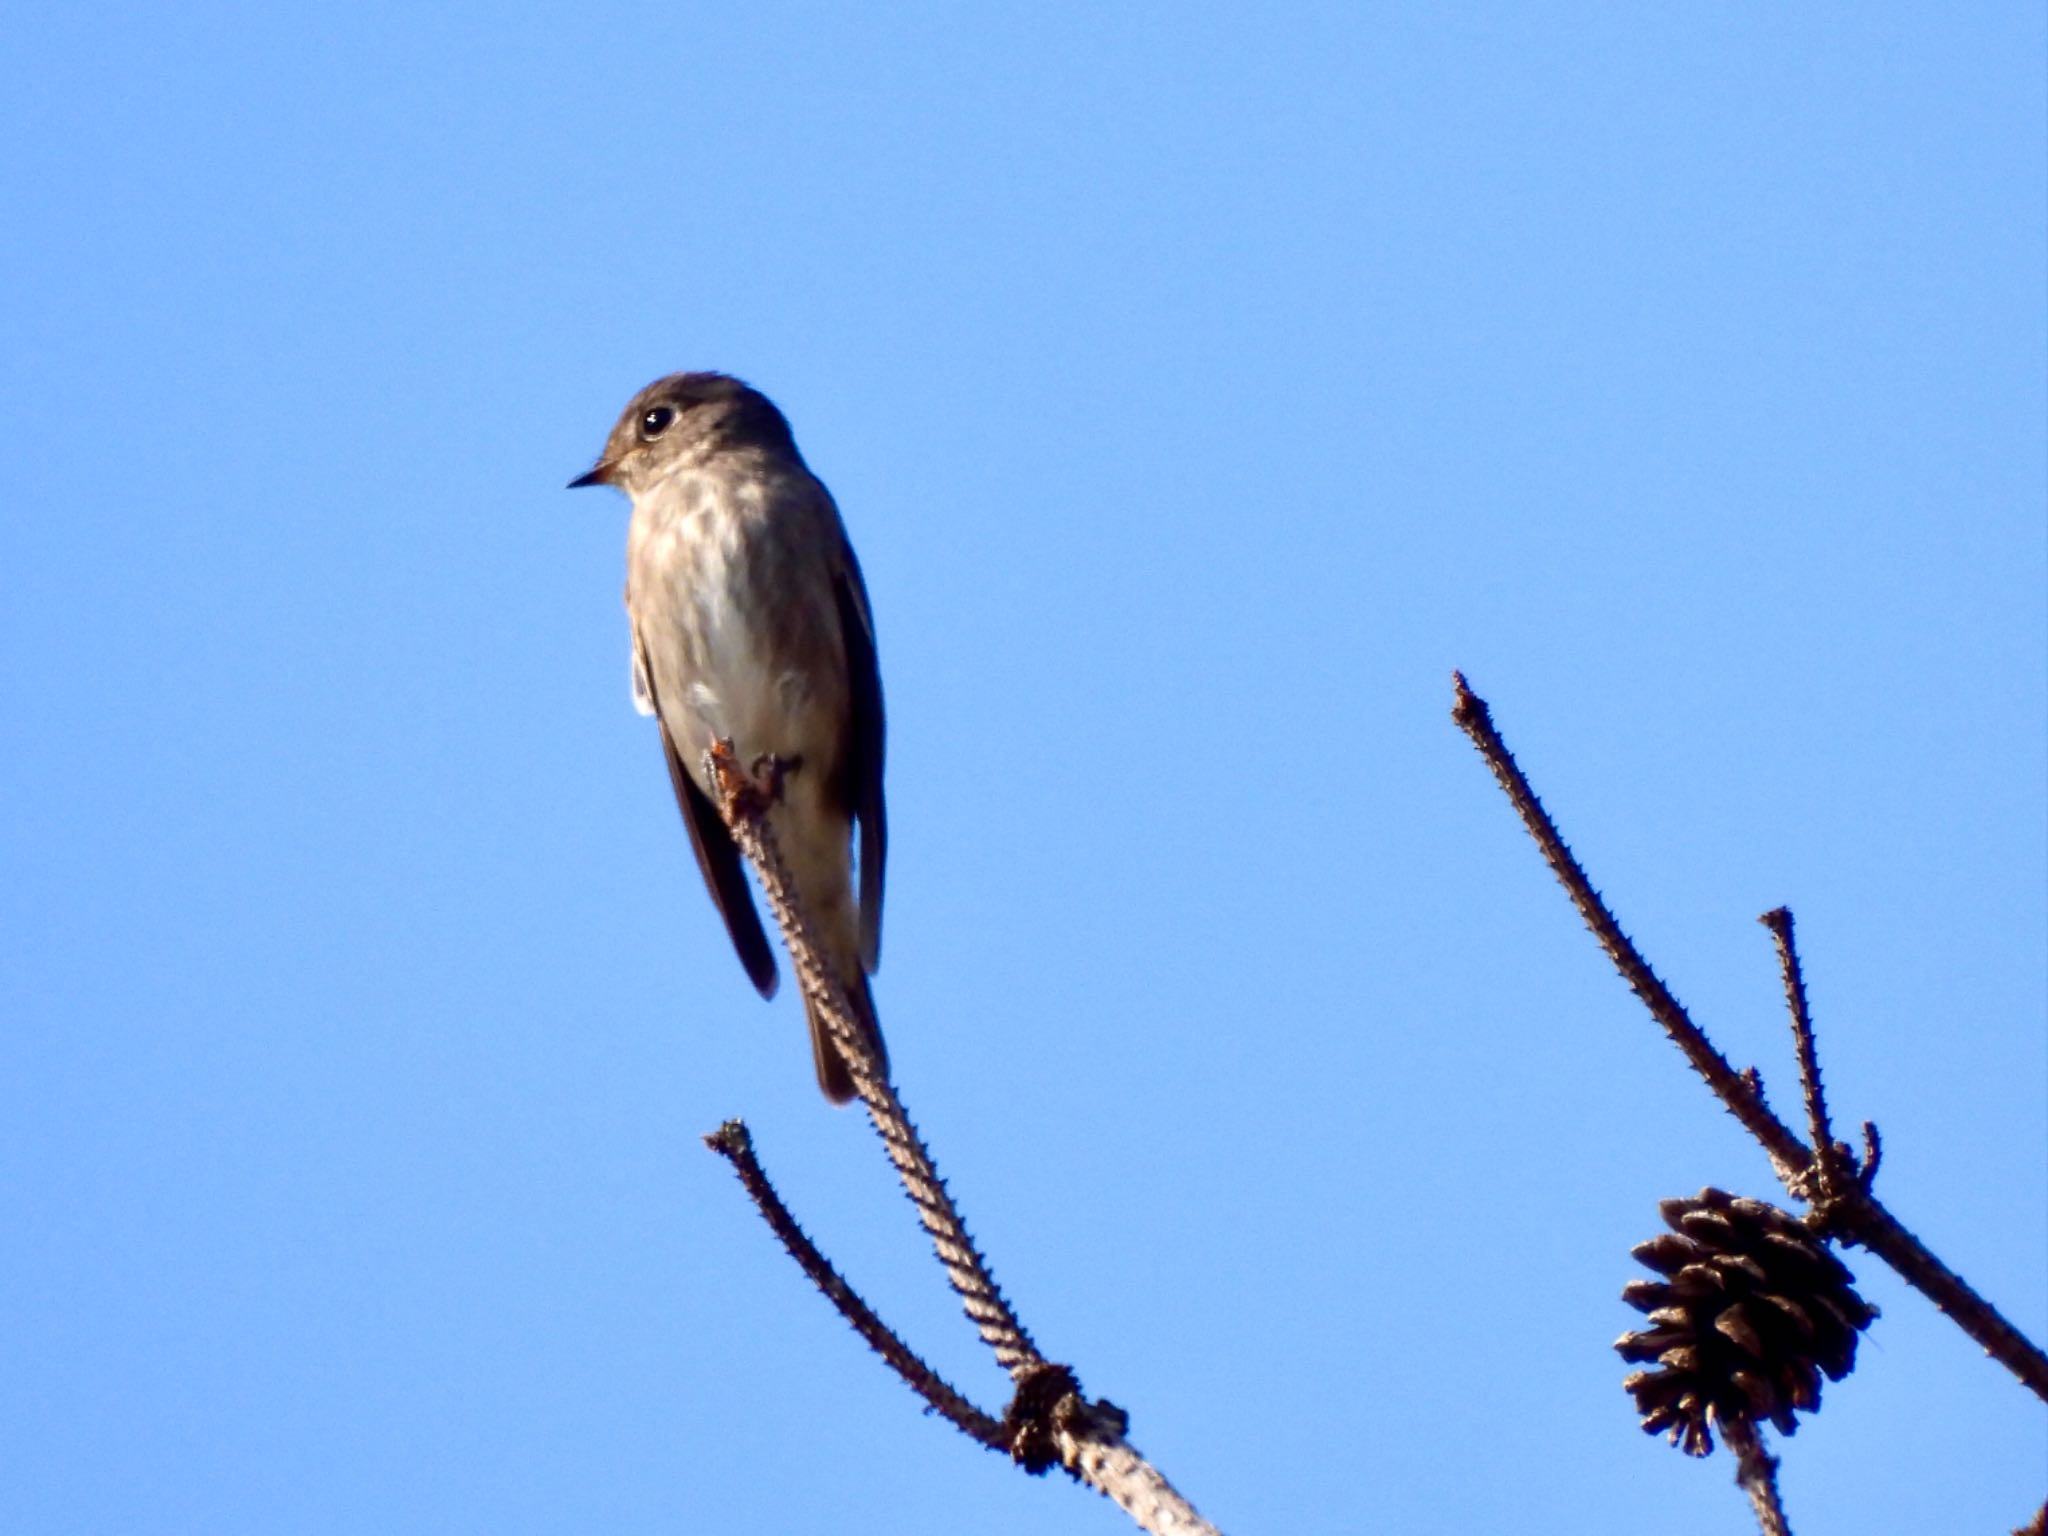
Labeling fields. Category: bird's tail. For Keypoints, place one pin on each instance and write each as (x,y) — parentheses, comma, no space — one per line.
(833,1075)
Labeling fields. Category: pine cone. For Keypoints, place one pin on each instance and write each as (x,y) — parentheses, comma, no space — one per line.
(1752,1309)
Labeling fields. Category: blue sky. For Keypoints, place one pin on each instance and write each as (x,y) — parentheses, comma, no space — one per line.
(1200,388)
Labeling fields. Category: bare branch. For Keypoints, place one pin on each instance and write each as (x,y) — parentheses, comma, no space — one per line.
(1873,1154)
(1857,1214)
(1828,1174)
(1092,1447)
(1048,1418)
(1862,1218)
(1779,921)
(745,809)
(1741,1093)
(1756,1473)
(733,1142)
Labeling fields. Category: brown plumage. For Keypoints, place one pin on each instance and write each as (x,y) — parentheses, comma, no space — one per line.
(750,622)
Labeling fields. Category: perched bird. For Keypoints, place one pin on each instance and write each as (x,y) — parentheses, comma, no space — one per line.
(750,623)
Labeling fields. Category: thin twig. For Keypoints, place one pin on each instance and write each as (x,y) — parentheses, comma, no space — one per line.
(1859,1215)
(968,1271)
(733,1142)
(1756,1473)
(1863,1218)
(1873,1154)
(1739,1093)
(1048,1407)
(1828,1174)
(1779,921)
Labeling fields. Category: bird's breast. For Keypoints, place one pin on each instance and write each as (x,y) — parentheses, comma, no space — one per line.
(733,610)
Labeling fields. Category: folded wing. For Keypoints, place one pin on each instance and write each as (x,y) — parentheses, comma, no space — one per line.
(862,767)
(718,856)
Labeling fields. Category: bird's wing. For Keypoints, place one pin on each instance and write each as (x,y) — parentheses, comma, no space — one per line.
(643,690)
(725,874)
(863,763)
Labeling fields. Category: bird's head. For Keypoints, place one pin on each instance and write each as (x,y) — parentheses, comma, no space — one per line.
(682,421)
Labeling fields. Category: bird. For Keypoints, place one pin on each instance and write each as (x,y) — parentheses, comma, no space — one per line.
(750,625)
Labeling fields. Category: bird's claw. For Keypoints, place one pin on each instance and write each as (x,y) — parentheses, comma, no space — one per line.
(749,790)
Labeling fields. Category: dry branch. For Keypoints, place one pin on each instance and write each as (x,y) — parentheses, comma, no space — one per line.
(1756,1473)
(1849,1212)
(732,1142)
(1049,1420)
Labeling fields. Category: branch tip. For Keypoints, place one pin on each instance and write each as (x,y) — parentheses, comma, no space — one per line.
(732,1142)
(1854,1214)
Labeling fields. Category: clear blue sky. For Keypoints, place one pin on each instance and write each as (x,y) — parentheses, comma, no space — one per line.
(1200,388)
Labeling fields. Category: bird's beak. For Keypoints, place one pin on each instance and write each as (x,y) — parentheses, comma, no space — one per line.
(599,473)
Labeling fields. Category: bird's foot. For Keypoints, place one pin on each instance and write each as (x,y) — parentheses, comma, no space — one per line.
(749,790)
(768,772)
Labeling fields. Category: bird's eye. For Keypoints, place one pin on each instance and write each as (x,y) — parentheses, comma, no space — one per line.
(654,421)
